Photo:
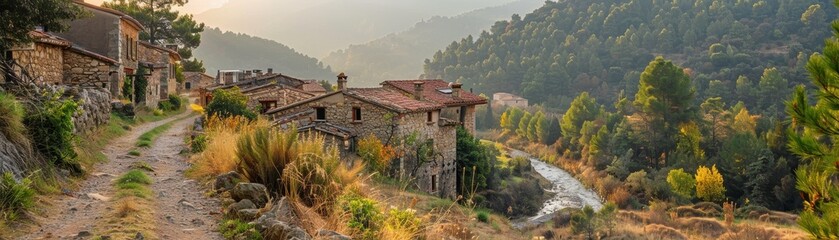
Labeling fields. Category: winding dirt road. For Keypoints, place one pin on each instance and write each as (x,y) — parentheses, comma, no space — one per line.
(180,208)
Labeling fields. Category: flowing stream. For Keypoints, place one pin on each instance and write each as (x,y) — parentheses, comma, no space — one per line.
(570,192)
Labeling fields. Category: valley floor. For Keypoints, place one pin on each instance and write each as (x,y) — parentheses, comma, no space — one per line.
(176,207)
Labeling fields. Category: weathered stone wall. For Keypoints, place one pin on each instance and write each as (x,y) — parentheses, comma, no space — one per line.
(469,122)
(43,63)
(94,108)
(283,96)
(81,69)
(13,158)
(158,75)
(442,163)
(454,113)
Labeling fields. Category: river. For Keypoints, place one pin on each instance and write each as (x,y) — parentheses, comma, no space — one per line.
(570,192)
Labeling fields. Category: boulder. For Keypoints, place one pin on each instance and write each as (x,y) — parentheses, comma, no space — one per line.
(255,192)
(332,235)
(247,214)
(282,211)
(227,181)
(233,209)
(282,231)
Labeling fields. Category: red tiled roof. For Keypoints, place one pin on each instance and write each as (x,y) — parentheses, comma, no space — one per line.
(313,87)
(114,12)
(393,99)
(431,93)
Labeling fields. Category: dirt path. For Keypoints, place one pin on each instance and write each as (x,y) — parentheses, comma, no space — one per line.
(181,211)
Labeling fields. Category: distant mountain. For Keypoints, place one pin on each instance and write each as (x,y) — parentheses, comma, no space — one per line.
(317,27)
(401,55)
(228,50)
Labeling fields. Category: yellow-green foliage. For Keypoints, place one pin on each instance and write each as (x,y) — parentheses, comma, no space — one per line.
(14,196)
(362,215)
(681,182)
(376,155)
(263,155)
(317,177)
(709,184)
(401,224)
(11,119)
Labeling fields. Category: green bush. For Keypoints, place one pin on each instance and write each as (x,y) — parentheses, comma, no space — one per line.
(363,214)
(229,103)
(14,197)
(51,127)
(483,216)
(165,106)
(176,102)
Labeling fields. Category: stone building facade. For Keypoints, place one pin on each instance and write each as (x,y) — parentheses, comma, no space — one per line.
(253,79)
(193,81)
(42,59)
(398,119)
(459,105)
(161,63)
(270,96)
(109,33)
(85,68)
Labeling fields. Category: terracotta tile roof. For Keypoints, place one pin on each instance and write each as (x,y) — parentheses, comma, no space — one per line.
(393,99)
(313,87)
(119,14)
(48,38)
(431,93)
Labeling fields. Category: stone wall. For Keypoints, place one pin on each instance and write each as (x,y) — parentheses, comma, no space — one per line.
(82,69)
(441,165)
(283,96)
(43,63)
(14,158)
(94,108)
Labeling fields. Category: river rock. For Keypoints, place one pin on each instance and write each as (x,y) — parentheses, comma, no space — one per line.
(281,230)
(227,181)
(255,192)
(247,214)
(233,209)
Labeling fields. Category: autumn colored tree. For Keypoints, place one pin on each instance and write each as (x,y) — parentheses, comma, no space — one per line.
(681,183)
(376,154)
(709,184)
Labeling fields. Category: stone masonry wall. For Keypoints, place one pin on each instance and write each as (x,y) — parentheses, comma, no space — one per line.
(94,108)
(81,69)
(442,164)
(43,63)
(283,96)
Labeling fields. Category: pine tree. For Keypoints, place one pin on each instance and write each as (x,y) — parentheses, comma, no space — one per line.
(524,122)
(811,124)
(665,98)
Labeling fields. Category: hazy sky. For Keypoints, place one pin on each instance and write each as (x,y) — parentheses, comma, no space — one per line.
(193,7)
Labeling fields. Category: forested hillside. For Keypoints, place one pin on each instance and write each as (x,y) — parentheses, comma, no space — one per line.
(228,50)
(400,55)
(601,46)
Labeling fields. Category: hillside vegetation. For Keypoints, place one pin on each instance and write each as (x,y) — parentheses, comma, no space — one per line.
(227,50)
(601,46)
(400,55)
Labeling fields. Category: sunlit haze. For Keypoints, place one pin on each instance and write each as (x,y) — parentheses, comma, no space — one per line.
(193,7)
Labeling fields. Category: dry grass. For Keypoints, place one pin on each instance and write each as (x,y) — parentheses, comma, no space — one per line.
(127,207)
(220,154)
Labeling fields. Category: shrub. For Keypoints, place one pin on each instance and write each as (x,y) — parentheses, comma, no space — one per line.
(14,196)
(165,106)
(709,184)
(176,102)
(51,128)
(229,103)
(263,155)
(158,112)
(583,222)
(198,144)
(376,155)
(317,177)
(483,216)
(401,224)
(364,216)
(219,156)
(681,182)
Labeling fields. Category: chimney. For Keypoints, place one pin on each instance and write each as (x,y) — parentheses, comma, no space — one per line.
(270,70)
(342,82)
(418,90)
(456,88)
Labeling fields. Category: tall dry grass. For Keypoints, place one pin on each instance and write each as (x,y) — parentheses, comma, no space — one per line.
(263,154)
(220,155)
(317,177)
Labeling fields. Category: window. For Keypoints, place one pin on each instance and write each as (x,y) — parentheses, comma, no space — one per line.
(188,85)
(430,117)
(356,114)
(433,183)
(320,114)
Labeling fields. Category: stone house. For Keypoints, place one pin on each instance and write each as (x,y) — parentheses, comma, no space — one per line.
(251,79)
(509,99)
(109,33)
(272,95)
(161,63)
(193,81)
(52,60)
(460,105)
(409,121)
